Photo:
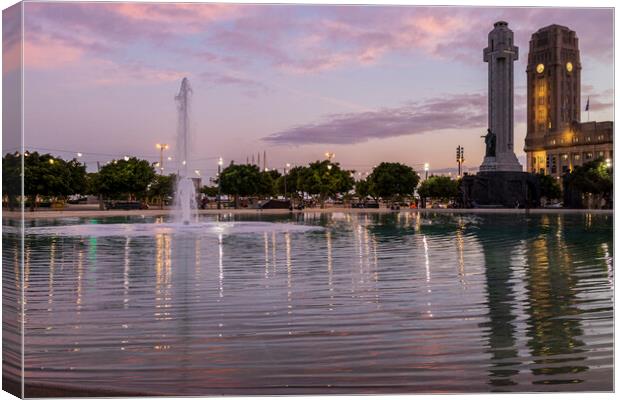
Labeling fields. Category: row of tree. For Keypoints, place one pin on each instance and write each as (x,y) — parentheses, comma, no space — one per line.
(133,179)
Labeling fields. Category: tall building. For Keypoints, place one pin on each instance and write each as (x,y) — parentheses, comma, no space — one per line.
(556,139)
(500,56)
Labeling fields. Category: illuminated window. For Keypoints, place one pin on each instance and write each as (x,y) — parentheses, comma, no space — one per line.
(564,157)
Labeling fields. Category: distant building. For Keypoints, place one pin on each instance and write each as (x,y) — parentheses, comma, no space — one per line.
(556,139)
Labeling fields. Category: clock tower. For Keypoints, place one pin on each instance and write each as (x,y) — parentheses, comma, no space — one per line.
(553,91)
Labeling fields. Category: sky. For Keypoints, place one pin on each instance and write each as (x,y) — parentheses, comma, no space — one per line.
(368,83)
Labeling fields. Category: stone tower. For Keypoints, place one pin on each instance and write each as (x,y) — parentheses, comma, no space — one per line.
(553,94)
(500,55)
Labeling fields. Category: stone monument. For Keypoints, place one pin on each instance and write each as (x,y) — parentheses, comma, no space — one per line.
(500,55)
(501,181)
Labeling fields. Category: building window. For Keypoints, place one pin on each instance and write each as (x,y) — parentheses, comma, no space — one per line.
(564,157)
(588,156)
(588,139)
(601,154)
(576,157)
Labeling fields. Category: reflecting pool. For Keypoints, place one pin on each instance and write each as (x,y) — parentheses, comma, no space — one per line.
(317,303)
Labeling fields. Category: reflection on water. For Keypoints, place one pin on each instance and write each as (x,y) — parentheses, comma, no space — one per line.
(408,302)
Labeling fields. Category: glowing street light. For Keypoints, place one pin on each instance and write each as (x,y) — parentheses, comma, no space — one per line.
(426,168)
(329,155)
(79,155)
(161,147)
(220,162)
(126,158)
(288,166)
(608,162)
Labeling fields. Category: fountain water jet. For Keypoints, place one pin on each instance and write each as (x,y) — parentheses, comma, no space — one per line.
(185,196)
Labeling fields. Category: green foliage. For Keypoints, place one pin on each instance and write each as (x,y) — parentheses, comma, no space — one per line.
(324,179)
(46,175)
(210,191)
(390,180)
(243,180)
(11,178)
(362,189)
(121,179)
(593,177)
(293,182)
(162,186)
(549,186)
(440,187)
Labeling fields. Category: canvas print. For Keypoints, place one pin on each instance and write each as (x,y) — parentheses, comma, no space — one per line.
(206,199)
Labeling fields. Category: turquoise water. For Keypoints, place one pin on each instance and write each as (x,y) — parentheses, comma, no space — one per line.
(356,303)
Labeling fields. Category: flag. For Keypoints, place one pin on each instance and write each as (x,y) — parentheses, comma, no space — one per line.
(588,105)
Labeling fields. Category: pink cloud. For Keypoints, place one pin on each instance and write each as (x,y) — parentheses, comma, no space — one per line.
(111,73)
(45,52)
(450,112)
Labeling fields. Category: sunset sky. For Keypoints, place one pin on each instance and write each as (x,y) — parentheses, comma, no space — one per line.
(369,83)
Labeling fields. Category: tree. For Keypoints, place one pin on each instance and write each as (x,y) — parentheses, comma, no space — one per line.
(592,179)
(549,186)
(439,187)
(324,179)
(293,182)
(122,179)
(362,189)
(11,178)
(46,175)
(242,181)
(392,180)
(267,183)
(162,187)
(211,191)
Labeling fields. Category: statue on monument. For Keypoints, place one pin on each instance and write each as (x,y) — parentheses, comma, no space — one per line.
(489,140)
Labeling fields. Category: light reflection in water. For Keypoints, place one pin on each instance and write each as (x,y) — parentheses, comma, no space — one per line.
(536,314)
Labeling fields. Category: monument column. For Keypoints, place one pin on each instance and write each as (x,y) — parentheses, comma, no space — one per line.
(500,55)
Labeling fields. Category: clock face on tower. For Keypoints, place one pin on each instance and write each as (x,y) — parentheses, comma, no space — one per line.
(540,68)
(569,66)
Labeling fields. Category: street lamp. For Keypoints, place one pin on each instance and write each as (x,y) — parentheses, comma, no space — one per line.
(608,162)
(426,168)
(161,147)
(288,165)
(330,155)
(220,162)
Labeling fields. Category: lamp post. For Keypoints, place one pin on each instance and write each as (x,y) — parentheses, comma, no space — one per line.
(285,174)
(329,156)
(426,167)
(220,162)
(161,147)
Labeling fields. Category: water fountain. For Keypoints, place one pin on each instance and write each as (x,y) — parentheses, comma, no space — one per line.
(185,196)
(185,215)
